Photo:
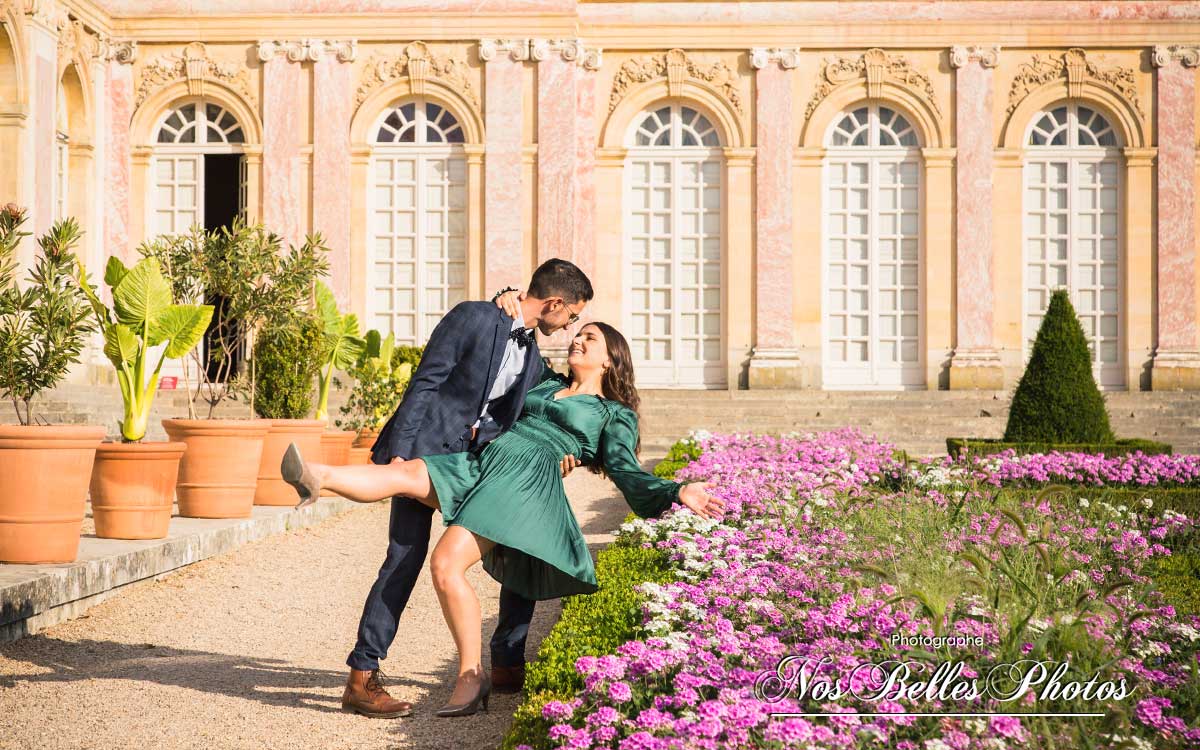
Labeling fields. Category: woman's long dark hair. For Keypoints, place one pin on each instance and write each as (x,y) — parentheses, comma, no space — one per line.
(618,382)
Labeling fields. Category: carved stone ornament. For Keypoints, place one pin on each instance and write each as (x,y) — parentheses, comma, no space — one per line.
(311,50)
(75,42)
(877,66)
(516,49)
(987,57)
(49,13)
(194,66)
(761,57)
(1074,68)
(123,52)
(571,50)
(418,64)
(1187,55)
(676,67)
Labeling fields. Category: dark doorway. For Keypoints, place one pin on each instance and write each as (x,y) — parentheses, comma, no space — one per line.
(222,183)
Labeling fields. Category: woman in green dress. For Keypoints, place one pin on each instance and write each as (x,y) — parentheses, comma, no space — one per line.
(506,506)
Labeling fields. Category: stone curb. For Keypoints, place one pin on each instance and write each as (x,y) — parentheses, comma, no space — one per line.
(34,597)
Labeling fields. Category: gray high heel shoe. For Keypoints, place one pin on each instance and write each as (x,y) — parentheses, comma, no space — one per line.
(296,473)
(471,706)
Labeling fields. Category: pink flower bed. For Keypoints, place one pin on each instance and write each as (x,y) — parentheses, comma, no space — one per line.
(815,560)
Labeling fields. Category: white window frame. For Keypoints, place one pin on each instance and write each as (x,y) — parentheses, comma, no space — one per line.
(420,153)
(707,374)
(1074,155)
(839,376)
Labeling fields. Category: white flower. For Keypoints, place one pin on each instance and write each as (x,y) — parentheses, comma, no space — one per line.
(1083,502)
(1150,648)
(975,726)
(937,744)
(1147,502)
(1184,631)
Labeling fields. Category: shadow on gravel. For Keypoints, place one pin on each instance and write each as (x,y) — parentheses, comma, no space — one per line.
(270,681)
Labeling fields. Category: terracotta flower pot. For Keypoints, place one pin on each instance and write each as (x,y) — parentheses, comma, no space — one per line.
(335,451)
(218,473)
(44,473)
(360,456)
(366,438)
(133,488)
(306,434)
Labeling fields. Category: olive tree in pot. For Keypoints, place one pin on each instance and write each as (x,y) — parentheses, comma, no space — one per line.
(343,348)
(246,268)
(133,482)
(44,469)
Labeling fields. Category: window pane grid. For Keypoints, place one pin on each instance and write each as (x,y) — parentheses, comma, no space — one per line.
(1071,236)
(177,187)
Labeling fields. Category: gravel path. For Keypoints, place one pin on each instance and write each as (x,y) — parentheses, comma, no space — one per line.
(247,651)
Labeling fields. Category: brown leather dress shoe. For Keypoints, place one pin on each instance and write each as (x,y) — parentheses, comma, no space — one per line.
(508,679)
(365,695)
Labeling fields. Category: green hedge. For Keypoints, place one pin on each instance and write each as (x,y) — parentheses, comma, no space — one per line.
(986,447)
(286,361)
(1178,578)
(591,625)
(681,454)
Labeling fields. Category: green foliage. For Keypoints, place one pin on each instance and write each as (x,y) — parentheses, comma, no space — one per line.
(1178,578)
(43,327)
(143,316)
(1057,400)
(287,358)
(342,342)
(680,455)
(409,354)
(378,386)
(1185,500)
(262,286)
(591,625)
(984,447)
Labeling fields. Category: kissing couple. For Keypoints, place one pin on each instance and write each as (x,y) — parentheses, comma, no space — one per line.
(485,433)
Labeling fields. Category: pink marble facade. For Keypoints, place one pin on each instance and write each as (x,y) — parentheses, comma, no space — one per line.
(119,88)
(45,129)
(502,173)
(282,96)
(557,198)
(974,294)
(1176,91)
(773,214)
(333,92)
(584,253)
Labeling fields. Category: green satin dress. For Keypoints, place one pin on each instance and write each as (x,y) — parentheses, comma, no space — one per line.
(512,492)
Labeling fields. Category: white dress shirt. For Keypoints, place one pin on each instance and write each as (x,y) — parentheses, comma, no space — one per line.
(510,371)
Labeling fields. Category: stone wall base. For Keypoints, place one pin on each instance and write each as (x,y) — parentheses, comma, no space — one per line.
(1175,371)
(775,369)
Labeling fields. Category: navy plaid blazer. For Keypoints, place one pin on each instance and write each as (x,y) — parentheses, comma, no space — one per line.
(451,386)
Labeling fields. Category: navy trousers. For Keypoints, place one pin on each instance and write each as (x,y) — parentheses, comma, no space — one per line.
(408,545)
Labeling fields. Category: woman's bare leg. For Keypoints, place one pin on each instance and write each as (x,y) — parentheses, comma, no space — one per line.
(455,553)
(371,482)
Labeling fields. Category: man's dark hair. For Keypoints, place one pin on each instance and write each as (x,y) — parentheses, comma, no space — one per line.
(560,278)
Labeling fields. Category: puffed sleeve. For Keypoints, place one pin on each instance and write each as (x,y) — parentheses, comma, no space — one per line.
(646,494)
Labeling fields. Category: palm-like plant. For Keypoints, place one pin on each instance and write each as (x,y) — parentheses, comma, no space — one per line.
(342,339)
(144,316)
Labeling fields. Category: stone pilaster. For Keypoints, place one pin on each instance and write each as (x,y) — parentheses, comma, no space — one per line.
(333,101)
(976,362)
(1177,353)
(283,205)
(774,361)
(503,114)
(118,83)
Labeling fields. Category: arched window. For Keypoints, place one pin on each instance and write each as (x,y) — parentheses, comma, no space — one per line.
(418,219)
(871,312)
(673,241)
(199,172)
(1072,231)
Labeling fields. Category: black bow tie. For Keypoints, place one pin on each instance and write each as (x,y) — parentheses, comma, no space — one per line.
(522,336)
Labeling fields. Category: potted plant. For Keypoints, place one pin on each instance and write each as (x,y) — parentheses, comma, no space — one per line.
(378,387)
(44,470)
(343,347)
(243,267)
(133,483)
(288,354)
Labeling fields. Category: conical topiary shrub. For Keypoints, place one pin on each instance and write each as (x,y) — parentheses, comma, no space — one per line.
(1057,400)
